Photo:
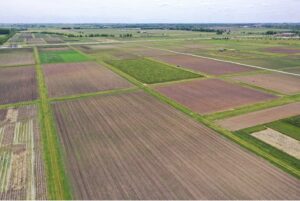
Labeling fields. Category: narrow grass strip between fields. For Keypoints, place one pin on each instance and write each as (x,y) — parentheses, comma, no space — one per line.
(58,183)
(19,104)
(242,142)
(87,95)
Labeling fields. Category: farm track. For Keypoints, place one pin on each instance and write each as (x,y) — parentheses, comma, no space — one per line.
(144,149)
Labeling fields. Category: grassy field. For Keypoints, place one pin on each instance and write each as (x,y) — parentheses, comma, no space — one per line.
(61,56)
(290,127)
(148,71)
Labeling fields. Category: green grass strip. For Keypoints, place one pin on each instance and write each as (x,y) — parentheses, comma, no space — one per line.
(58,183)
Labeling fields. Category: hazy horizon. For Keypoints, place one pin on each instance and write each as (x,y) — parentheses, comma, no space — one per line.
(150,11)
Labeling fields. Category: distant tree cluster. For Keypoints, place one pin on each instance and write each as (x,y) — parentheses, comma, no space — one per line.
(8,32)
(126,35)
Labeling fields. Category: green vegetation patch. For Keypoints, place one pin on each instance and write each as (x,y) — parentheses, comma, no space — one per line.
(148,71)
(62,56)
(289,127)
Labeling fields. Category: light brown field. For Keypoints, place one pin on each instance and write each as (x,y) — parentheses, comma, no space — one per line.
(17,84)
(14,57)
(76,78)
(287,84)
(21,165)
(207,66)
(260,117)
(208,96)
(130,146)
(280,141)
(283,50)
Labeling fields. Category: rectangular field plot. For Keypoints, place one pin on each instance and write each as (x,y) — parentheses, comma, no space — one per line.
(208,96)
(17,84)
(61,56)
(77,78)
(207,66)
(287,84)
(21,165)
(260,117)
(130,146)
(148,71)
(14,57)
(280,141)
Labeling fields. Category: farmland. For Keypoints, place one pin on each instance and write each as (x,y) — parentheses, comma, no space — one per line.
(16,57)
(76,78)
(207,96)
(144,113)
(287,84)
(148,71)
(133,154)
(61,56)
(21,165)
(261,117)
(17,84)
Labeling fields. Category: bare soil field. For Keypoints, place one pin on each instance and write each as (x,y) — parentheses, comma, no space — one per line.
(76,78)
(130,146)
(283,50)
(13,57)
(17,84)
(280,141)
(94,48)
(203,65)
(21,165)
(53,40)
(148,52)
(287,84)
(208,96)
(260,117)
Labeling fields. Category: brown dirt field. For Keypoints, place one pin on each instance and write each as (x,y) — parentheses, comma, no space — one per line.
(148,52)
(14,57)
(203,65)
(22,145)
(17,85)
(53,40)
(287,84)
(283,50)
(208,96)
(283,142)
(77,78)
(131,146)
(95,48)
(260,117)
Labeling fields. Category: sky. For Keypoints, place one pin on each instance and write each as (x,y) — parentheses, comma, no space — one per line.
(149,11)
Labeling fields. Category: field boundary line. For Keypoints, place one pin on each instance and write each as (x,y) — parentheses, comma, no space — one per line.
(57,181)
(254,107)
(19,104)
(226,61)
(99,93)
